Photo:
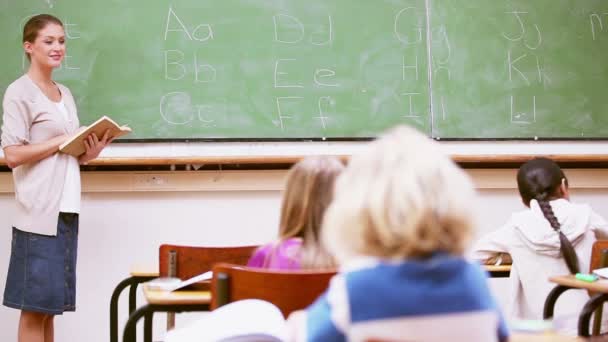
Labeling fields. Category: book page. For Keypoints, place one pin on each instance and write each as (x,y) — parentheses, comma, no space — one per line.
(75,145)
(602,272)
(172,284)
(162,283)
(201,277)
(243,321)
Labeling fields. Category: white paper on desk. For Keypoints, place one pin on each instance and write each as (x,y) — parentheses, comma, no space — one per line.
(201,277)
(168,284)
(162,283)
(601,272)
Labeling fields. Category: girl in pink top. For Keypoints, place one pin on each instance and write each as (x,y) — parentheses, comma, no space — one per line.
(308,192)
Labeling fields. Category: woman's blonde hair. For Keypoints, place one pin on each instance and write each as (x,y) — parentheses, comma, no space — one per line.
(308,192)
(400,198)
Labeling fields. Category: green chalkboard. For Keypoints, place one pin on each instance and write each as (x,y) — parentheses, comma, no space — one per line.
(280,69)
(520,69)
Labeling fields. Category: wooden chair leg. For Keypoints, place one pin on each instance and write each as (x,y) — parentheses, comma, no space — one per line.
(597,321)
(222,291)
(170,321)
(172,268)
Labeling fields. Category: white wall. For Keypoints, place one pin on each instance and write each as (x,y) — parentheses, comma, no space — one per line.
(118,230)
(122,229)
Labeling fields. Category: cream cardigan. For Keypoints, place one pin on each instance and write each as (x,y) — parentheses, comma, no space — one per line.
(30,117)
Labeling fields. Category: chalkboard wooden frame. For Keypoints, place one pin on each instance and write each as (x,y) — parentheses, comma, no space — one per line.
(466,161)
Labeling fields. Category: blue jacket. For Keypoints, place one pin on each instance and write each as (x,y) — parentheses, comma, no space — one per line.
(438,299)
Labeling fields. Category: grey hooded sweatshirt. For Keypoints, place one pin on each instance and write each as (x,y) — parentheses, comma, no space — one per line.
(535,249)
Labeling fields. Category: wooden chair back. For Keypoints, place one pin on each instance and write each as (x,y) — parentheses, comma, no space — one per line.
(194,260)
(599,259)
(599,255)
(288,290)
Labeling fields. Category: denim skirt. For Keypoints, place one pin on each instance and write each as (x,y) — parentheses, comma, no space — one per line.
(42,271)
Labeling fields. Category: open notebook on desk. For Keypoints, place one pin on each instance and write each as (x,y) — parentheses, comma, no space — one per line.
(172,284)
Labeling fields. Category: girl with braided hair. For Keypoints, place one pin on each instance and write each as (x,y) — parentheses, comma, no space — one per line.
(553,236)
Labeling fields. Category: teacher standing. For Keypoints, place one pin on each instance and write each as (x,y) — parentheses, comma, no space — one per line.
(38,116)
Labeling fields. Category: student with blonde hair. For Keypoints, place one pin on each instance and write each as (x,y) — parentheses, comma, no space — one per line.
(398,226)
(308,192)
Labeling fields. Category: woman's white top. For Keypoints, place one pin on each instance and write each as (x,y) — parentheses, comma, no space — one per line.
(70,198)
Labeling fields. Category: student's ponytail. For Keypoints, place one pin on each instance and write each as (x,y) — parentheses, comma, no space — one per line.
(541,179)
(564,244)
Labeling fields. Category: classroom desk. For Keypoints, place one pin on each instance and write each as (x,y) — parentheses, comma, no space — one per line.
(163,301)
(567,282)
(137,276)
(140,275)
(180,301)
(500,271)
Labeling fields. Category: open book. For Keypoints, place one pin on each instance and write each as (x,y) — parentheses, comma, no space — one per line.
(601,272)
(242,321)
(172,284)
(75,145)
